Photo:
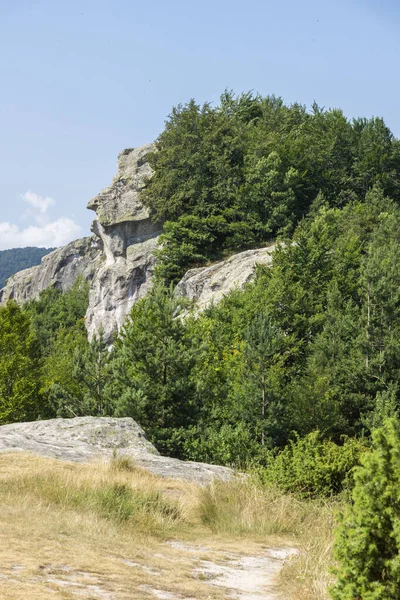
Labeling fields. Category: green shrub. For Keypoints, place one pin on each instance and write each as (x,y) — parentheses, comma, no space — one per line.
(312,467)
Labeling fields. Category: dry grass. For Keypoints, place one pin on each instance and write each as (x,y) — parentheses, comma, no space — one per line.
(248,508)
(60,534)
(244,508)
(308,575)
(99,531)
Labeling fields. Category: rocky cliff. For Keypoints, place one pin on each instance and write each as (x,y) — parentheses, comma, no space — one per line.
(128,238)
(118,259)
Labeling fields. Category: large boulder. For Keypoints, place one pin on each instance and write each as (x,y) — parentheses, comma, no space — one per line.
(207,285)
(90,439)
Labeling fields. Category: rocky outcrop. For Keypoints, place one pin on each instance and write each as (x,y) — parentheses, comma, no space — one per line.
(117,260)
(128,238)
(117,286)
(89,439)
(210,284)
(120,202)
(59,269)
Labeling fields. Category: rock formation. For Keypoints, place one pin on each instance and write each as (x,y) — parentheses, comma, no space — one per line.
(210,284)
(89,439)
(128,238)
(118,259)
(58,269)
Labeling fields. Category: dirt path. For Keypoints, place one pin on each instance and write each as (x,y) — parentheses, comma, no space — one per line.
(218,573)
(243,577)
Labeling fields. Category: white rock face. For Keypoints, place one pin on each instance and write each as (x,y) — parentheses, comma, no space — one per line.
(58,269)
(89,439)
(117,286)
(117,260)
(210,284)
(128,239)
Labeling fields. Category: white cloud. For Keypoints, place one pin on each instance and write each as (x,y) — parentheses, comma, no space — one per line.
(55,233)
(39,202)
(45,231)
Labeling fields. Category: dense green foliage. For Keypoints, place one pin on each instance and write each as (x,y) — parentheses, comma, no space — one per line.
(55,311)
(152,362)
(314,467)
(368,539)
(246,171)
(17,259)
(19,372)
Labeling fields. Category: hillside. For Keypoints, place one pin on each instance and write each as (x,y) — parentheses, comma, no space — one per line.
(17,259)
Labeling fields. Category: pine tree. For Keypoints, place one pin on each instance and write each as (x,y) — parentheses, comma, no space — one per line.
(261,340)
(19,372)
(151,365)
(368,538)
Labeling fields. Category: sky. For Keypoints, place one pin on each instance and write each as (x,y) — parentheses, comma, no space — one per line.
(82,79)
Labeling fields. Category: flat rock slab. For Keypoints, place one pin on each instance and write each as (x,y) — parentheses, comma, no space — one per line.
(90,439)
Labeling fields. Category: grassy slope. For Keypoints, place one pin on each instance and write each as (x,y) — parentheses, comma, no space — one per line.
(63,526)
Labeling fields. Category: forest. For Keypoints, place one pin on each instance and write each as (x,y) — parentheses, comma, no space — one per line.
(302,366)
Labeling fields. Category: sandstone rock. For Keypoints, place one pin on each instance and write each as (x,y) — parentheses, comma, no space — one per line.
(210,284)
(89,439)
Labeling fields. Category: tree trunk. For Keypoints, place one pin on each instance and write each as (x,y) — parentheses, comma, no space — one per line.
(262,409)
(368,322)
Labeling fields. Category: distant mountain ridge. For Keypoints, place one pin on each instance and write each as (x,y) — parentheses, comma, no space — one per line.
(17,259)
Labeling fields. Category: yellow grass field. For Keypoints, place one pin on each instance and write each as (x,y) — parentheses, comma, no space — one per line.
(115,532)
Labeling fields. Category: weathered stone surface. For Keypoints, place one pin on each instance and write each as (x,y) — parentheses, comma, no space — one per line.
(58,269)
(117,286)
(118,260)
(128,237)
(119,203)
(210,284)
(89,439)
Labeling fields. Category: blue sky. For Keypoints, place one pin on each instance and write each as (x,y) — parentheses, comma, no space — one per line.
(83,79)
